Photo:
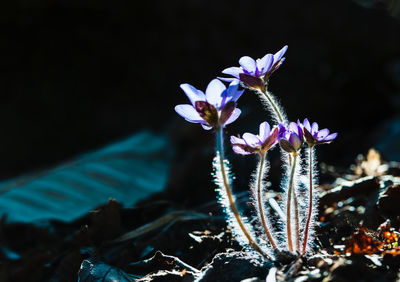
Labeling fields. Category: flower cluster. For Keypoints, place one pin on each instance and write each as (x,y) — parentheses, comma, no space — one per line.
(290,138)
(215,109)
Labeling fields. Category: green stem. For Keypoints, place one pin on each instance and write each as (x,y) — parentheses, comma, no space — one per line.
(310,204)
(289,206)
(260,203)
(232,205)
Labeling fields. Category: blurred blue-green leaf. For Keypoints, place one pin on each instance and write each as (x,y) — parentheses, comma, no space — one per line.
(127,171)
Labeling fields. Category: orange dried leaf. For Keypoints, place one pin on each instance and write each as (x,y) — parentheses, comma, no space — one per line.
(388,235)
(394,252)
(361,243)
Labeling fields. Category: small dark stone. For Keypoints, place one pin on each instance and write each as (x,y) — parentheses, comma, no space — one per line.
(235,266)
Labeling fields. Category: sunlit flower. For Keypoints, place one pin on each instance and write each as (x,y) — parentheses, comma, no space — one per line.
(251,144)
(291,137)
(216,108)
(255,74)
(314,136)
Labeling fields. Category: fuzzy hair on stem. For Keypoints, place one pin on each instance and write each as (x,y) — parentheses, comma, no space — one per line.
(279,116)
(241,228)
(274,108)
(258,190)
(312,201)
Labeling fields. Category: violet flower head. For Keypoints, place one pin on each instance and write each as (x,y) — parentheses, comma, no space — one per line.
(255,73)
(214,109)
(314,136)
(256,144)
(291,138)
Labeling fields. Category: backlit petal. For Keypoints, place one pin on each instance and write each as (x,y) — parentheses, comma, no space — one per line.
(214,92)
(264,131)
(248,64)
(193,93)
(236,140)
(251,140)
(232,93)
(234,71)
(323,133)
(307,125)
(240,150)
(314,128)
(278,56)
(189,113)
(330,137)
(265,63)
(205,126)
(235,114)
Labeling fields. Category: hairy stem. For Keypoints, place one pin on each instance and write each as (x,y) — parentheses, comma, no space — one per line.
(296,223)
(232,205)
(274,106)
(310,203)
(260,202)
(296,212)
(278,115)
(289,206)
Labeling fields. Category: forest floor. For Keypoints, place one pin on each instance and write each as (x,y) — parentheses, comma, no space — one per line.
(157,240)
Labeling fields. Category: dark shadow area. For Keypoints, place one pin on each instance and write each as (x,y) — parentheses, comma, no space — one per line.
(77,75)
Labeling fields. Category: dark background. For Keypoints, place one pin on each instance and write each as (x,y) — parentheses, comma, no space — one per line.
(76,75)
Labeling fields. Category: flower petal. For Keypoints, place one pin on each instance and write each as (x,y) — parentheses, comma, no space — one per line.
(214,92)
(264,131)
(248,64)
(235,114)
(189,113)
(265,64)
(240,150)
(251,140)
(206,127)
(330,137)
(236,140)
(294,127)
(193,93)
(314,128)
(233,93)
(282,130)
(323,133)
(227,79)
(234,71)
(278,56)
(307,125)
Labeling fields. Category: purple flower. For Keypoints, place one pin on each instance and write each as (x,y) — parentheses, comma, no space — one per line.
(216,108)
(255,74)
(251,144)
(291,138)
(314,136)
